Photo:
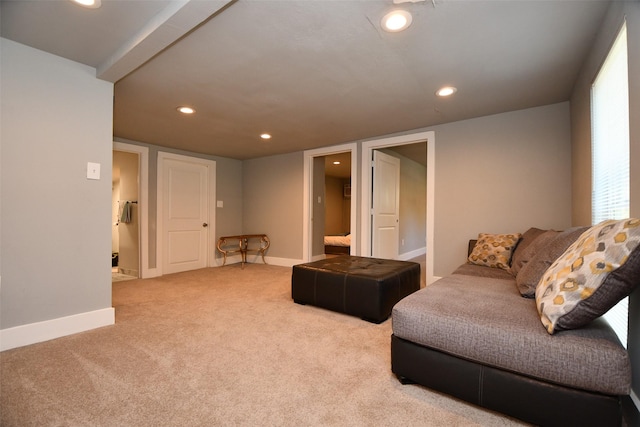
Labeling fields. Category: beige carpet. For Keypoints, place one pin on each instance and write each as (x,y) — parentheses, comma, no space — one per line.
(220,347)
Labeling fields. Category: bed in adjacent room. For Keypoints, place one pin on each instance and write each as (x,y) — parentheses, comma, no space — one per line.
(339,244)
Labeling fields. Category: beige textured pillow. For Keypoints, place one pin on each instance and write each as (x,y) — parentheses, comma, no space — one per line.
(494,250)
(591,276)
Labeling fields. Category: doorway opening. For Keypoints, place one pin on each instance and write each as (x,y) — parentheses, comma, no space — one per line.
(404,145)
(125,229)
(337,206)
(146,264)
(318,164)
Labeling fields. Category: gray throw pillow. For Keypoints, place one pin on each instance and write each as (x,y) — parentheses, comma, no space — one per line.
(520,254)
(546,253)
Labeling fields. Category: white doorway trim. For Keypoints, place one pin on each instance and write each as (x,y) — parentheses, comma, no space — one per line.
(365,206)
(309,155)
(143,204)
(211,244)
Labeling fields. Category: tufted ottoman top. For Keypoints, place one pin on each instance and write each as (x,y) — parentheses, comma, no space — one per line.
(361,266)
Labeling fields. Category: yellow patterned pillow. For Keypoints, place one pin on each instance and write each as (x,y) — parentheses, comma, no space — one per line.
(591,276)
(494,250)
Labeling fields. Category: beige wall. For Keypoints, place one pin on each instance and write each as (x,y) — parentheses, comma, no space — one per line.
(412,229)
(56,234)
(272,198)
(581,109)
(581,140)
(115,203)
(338,208)
(319,203)
(500,174)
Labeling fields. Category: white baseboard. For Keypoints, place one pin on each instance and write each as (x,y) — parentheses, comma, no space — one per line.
(412,254)
(32,333)
(318,257)
(635,400)
(231,259)
(257,259)
(282,262)
(432,279)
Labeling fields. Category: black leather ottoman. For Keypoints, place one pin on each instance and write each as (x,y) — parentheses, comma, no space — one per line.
(363,287)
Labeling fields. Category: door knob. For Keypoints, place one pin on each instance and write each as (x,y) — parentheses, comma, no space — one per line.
(204,224)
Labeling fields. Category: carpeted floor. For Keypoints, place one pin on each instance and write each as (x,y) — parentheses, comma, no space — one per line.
(224,346)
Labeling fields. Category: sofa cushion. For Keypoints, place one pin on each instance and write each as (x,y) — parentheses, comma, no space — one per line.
(521,254)
(482,271)
(591,276)
(530,274)
(485,320)
(494,250)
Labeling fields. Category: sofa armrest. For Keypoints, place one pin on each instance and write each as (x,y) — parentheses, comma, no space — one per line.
(472,243)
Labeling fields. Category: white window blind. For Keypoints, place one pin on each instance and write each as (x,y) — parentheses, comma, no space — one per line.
(610,152)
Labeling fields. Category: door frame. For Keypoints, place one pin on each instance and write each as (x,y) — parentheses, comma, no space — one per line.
(307,230)
(143,204)
(365,205)
(211,217)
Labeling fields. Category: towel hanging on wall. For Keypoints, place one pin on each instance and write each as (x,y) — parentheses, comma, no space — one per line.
(126,213)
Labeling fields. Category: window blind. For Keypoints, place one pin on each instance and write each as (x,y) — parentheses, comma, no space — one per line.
(610,153)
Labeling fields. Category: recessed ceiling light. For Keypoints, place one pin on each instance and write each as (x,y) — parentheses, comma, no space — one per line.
(396,20)
(265,136)
(91,4)
(186,110)
(336,163)
(446,91)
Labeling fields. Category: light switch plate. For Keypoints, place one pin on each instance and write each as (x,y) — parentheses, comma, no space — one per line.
(93,170)
(219,204)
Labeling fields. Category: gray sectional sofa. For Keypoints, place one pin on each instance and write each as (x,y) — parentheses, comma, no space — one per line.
(479,334)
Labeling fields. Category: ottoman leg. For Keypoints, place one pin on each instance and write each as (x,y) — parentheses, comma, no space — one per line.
(376,321)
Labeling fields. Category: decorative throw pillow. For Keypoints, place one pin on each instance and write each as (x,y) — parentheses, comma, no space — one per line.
(494,250)
(546,253)
(591,276)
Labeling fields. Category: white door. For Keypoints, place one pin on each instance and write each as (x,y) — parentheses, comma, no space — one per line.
(185,215)
(386,206)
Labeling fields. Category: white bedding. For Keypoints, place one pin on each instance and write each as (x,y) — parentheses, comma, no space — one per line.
(338,240)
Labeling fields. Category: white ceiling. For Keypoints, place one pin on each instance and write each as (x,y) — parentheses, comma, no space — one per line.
(310,72)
